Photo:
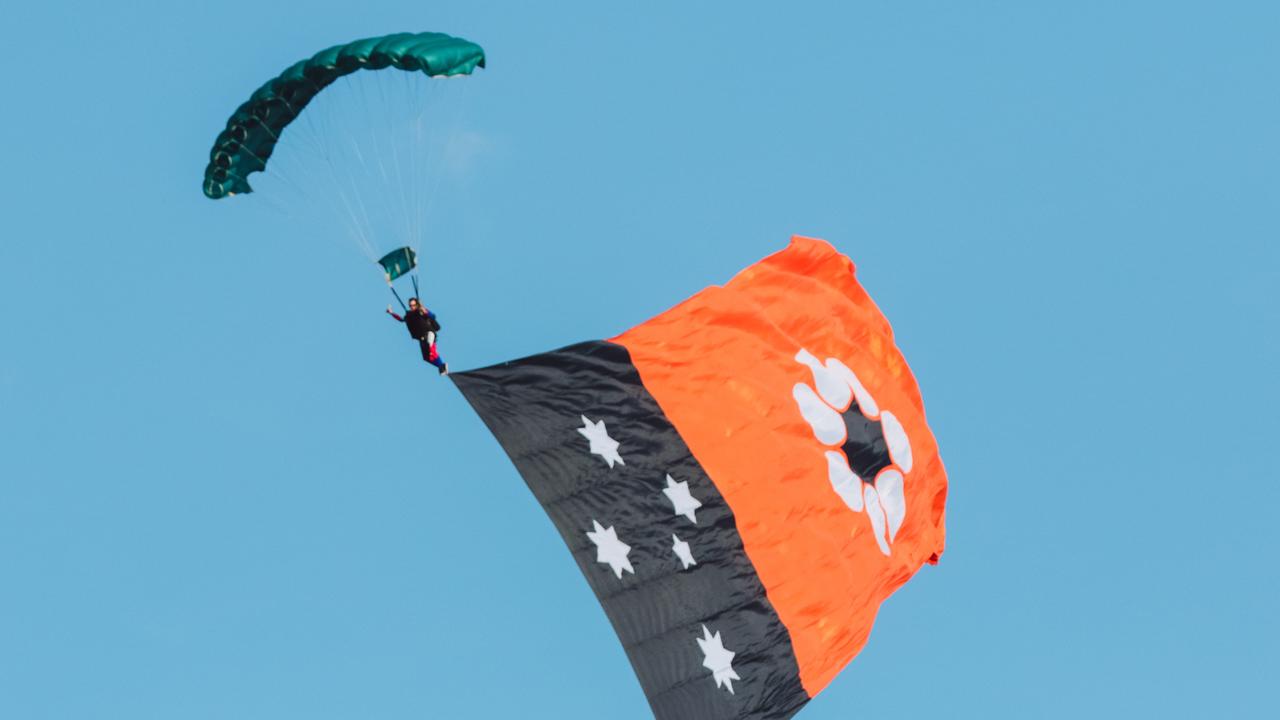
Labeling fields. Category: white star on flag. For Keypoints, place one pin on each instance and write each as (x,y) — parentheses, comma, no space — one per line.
(682,551)
(611,550)
(601,444)
(716,659)
(681,500)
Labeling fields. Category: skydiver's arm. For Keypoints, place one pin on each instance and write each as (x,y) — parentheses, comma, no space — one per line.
(397,317)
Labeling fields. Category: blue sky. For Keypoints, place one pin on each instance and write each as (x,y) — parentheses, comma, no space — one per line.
(229,489)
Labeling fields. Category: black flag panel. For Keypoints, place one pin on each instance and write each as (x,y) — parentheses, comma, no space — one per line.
(650,531)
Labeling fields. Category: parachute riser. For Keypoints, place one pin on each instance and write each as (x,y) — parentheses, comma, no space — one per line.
(392,288)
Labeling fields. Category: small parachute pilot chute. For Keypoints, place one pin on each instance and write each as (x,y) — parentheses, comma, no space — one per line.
(396,264)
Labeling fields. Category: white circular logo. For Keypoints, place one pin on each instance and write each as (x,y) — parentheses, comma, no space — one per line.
(867,450)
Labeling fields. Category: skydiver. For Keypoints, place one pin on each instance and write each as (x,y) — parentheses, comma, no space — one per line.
(423,327)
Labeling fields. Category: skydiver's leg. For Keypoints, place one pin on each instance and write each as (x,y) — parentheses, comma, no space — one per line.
(434,358)
(427,351)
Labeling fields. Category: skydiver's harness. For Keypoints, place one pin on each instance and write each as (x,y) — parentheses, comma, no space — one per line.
(422,326)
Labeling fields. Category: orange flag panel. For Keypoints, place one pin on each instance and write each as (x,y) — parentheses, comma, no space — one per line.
(754,375)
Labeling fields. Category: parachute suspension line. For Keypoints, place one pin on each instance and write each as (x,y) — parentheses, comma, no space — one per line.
(342,183)
(305,141)
(361,231)
(434,183)
(402,103)
(354,200)
(372,114)
(416,293)
(389,118)
(447,115)
(393,119)
(307,130)
(345,187)
(273,172)
(358,225)
(348,191)
(421,91)
(412,169)
(419,88)
(397,101)
(392,288)
(357,137)
(415,169)
(438,95)
(395,157)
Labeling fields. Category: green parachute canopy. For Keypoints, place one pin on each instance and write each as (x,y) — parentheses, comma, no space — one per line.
(398,262)
(253,130)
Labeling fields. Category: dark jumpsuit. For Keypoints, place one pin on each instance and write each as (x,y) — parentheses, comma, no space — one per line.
(423,327)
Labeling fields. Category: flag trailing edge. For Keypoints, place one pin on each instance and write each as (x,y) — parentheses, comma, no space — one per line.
(742,479)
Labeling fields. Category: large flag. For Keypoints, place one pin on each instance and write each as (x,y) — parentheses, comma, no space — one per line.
(742,480)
